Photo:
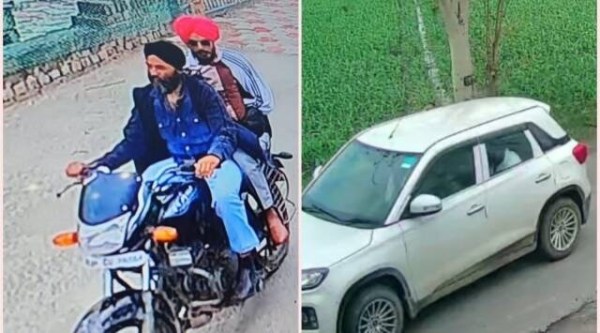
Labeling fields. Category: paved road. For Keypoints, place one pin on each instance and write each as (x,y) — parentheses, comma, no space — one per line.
(47,290)
(582,321)
(525,296)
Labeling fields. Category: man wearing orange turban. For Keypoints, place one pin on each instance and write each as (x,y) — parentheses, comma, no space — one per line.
(247,98)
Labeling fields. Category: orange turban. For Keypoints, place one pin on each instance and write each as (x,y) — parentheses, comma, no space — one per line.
(186,25)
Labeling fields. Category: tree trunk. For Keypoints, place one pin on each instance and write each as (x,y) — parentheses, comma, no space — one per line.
(493,37)
(456,20)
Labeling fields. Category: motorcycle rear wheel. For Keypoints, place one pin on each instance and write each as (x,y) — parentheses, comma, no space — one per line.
(272,257)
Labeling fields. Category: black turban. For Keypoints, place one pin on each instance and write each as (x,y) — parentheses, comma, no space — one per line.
(167,52)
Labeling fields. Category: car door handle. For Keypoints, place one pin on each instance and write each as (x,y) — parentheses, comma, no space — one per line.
(542,177)
(474,209)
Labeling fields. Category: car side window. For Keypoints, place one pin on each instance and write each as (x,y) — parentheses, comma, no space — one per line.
(544,139)
(451,173)
(507,151)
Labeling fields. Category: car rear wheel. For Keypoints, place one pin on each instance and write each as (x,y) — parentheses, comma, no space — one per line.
(559,230)
(377,309)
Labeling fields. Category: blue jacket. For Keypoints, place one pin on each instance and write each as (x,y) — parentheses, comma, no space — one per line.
(143,143)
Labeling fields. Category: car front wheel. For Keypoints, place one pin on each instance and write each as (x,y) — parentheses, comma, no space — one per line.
(559,230)
(376,309)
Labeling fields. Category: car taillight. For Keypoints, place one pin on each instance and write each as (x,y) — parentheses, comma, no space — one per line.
(580,152)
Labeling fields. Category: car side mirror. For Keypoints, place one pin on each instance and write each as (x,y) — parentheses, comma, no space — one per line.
(317,171)
(425,204)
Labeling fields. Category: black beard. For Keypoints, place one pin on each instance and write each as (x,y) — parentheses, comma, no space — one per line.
(204,60)
(166,86)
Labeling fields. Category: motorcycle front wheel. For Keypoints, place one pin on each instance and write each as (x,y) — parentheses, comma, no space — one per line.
(124,313)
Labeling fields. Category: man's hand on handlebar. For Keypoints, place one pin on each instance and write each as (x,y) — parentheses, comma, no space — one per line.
(77,170)
(206,166)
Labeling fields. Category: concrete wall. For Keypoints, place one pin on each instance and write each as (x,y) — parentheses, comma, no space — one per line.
(101,31)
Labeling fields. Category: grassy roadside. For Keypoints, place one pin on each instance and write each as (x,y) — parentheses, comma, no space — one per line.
(362,64)
(548,53)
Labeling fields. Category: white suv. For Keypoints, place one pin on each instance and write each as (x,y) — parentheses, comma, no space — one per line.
(417,207)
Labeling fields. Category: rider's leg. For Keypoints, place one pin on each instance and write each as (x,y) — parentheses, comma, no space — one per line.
(264,138)
(225,186)
(265,142)
(254,171)
(248,276)
(257,122)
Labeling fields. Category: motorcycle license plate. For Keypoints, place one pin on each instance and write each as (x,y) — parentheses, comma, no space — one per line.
(180,257)
(124,260)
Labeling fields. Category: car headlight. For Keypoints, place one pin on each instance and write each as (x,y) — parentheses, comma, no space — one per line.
(312,278)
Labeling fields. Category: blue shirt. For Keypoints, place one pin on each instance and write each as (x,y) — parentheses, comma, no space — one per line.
(200,126)
(187,136)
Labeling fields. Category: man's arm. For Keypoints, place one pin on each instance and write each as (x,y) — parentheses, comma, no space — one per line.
(133,144)
(219,121)
(251,80)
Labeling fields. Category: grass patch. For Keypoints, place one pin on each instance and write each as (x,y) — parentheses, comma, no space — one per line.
(362,63)
(548,53)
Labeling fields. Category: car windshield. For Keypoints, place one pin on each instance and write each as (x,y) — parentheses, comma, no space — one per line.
(360,185)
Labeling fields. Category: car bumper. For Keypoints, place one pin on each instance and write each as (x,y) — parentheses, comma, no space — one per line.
(587,203)
(319,313)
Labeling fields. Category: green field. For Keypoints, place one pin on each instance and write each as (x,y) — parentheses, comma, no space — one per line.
(362,63)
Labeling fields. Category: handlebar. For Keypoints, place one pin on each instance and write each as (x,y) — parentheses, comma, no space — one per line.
(68,187)
(88,173)
(187,168)
(283,155)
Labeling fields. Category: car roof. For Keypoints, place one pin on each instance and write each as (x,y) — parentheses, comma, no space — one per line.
(419,131)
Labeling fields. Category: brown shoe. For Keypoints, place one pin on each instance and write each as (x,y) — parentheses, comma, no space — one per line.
(278,231)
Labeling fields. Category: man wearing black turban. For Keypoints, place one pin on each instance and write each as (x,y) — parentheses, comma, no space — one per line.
(170,54)
(178,118)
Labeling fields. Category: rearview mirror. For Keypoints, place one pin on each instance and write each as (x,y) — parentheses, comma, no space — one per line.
(425,204)
(317,171)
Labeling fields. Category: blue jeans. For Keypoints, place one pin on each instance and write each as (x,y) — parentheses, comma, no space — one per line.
(224,186)
(253,169)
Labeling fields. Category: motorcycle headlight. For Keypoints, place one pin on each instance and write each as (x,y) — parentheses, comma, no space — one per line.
(105,238)
(312,278)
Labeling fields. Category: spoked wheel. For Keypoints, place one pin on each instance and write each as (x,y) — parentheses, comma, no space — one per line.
(273,256)
(559,229)
(133,324)
(124,313)
(139,327)
(376,309)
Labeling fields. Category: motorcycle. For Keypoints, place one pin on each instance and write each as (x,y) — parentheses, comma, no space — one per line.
(185,269)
